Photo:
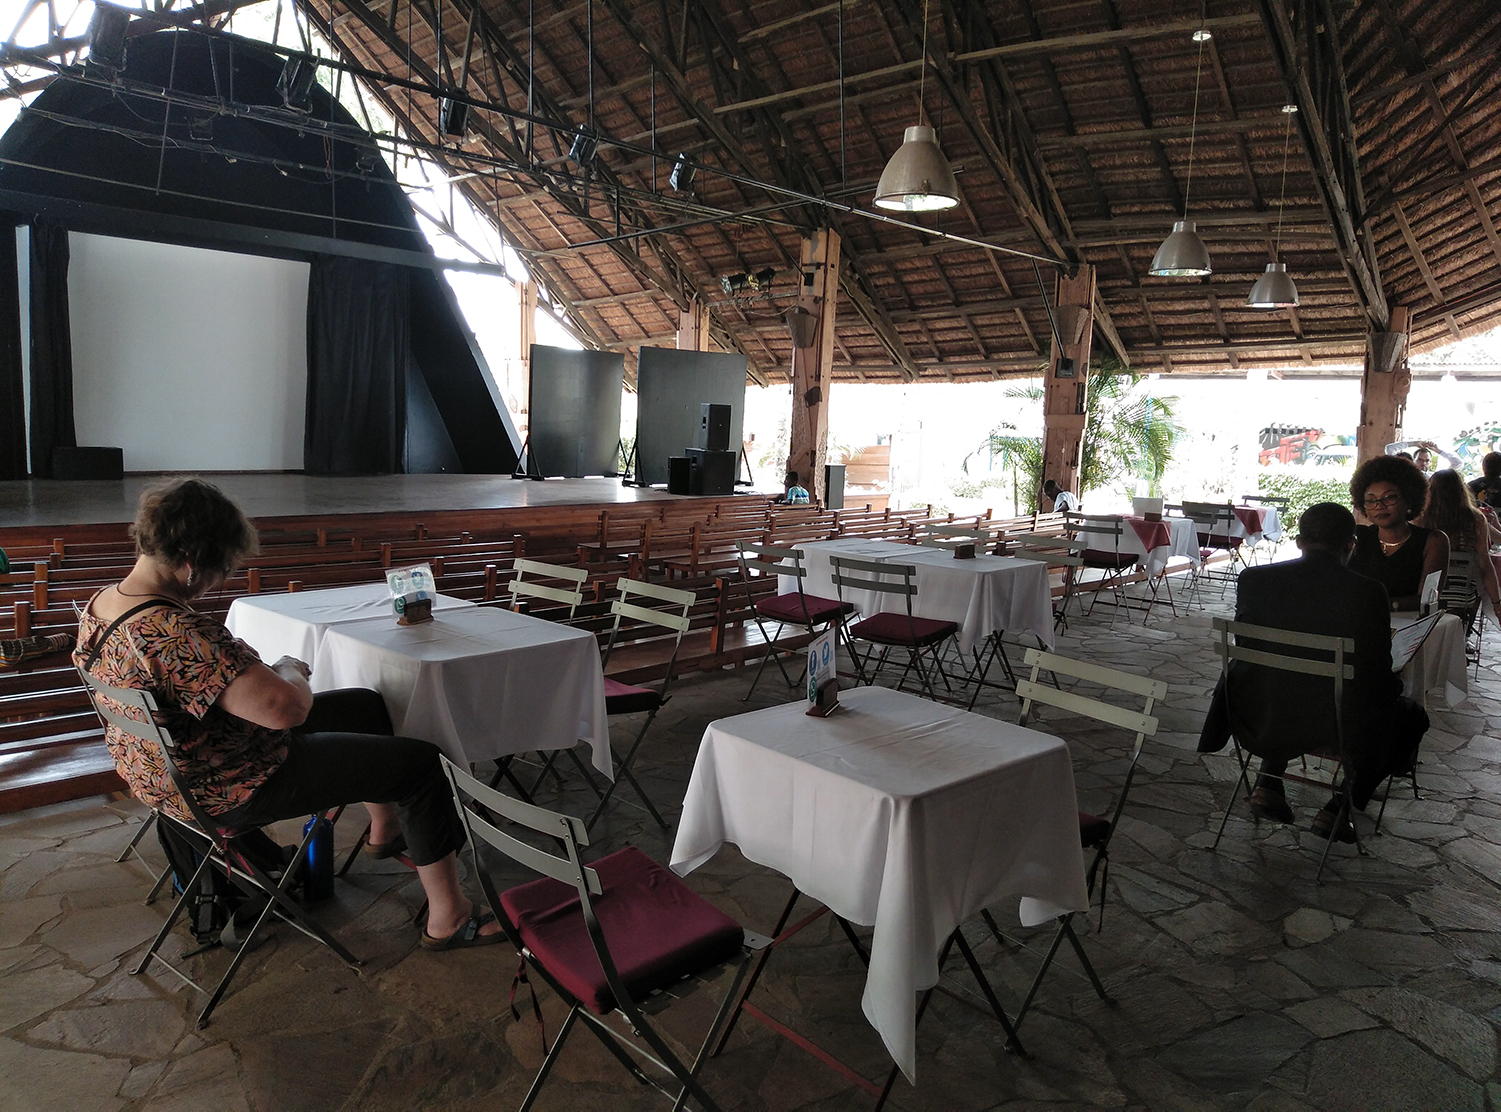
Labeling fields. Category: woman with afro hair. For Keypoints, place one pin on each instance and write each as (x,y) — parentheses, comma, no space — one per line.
(1391,492)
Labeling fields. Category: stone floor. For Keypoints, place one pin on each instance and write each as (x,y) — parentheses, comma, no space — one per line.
(1238,981)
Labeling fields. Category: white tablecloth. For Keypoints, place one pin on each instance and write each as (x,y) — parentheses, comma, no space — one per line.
(1184,541)
(985,595)
(478,682)
(293,623)
(1438,675)
(1271,526)
(896,812)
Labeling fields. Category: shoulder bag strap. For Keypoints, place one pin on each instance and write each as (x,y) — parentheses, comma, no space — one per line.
(98,648)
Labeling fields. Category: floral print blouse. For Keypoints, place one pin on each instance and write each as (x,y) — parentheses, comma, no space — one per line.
(186,660)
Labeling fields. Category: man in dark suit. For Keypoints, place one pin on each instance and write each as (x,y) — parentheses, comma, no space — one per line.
(1281,715)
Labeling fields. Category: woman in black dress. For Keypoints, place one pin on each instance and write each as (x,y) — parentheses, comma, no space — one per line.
(1390,492)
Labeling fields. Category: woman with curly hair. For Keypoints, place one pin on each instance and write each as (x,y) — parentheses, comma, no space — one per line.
(1451,510)
(1399,555)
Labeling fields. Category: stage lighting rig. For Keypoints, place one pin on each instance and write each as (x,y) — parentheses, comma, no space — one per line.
(107,38)
(296,83)
(682,174)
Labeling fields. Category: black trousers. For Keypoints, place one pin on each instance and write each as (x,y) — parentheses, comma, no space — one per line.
(1389,751)
(346,753)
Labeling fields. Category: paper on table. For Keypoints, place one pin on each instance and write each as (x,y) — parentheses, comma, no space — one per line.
(1408,639)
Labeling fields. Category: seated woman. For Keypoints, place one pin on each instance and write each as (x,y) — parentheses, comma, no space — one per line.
(1451,510)
(1391,492)
(258,745)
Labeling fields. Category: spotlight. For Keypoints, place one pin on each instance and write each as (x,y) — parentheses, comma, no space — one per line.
(735,283)
(367,161)
(296,83)
(453,118)
(201,128)
(761,280)
(682,174)
(107,38)
(584,146)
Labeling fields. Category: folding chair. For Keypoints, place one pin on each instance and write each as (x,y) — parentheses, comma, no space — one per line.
(617,936)
(218,842)
(1102,536)
(622,698)
(1320,656)
(793,608)
(892,630)
(1095,831)
(1216,522)
(1056,552)
(1460,595)
(521,589)
(1270,501)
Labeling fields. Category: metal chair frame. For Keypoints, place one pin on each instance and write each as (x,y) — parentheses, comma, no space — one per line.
(1111,526)
(567,867)
(1460,595)
(908,590)
(520,588)
(1031,691)
(1336,668)
(676,621)
(1215,516)
(771,560)
(221,852)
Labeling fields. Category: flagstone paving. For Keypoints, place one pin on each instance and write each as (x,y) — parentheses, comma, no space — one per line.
(1237,981)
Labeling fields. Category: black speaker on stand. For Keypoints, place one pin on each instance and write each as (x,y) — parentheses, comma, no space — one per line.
(714,427)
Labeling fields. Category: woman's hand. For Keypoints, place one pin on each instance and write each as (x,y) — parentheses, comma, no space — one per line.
(293,664)
(278,698)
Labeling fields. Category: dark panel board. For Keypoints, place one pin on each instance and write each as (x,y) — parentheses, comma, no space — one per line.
(575,411)
(670,386)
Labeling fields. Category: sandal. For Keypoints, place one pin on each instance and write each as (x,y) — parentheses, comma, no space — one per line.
(394,848)
(466,936)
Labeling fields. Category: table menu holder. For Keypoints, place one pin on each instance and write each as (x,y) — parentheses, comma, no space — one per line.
(412,593)
(964,551)
(827,700)
(823,675)
(413,611)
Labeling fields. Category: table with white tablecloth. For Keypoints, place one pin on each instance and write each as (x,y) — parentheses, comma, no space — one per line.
(1255,522)
(478,682)
(1439,675)
(293,623)
(984,595)
(1156,543)
(896,812)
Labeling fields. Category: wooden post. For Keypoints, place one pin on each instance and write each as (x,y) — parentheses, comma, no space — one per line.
(812,367)
(517,388)
(693,327)
(1066,397)
(1383,388)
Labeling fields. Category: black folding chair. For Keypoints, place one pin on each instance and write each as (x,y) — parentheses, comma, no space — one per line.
(892,630)
(1095,831)
(1102,537)
(621,935)
(793,608)
(218,842)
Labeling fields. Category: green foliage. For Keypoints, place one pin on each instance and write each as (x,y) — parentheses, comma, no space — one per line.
(1302,493)
(1125,435)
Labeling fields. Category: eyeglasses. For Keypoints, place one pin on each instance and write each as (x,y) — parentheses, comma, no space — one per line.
(1371,502)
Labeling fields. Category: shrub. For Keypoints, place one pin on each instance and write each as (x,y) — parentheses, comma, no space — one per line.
(1302,492)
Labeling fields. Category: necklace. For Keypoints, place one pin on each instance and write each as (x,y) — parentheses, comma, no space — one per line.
(1389,547)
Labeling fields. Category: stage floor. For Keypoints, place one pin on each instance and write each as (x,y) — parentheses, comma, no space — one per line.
(39,502)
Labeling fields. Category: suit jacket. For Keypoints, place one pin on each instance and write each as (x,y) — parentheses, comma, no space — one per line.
(1282,714)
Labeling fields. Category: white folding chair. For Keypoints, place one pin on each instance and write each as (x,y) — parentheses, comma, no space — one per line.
(794,608)
(523,590)
(889,629)
(1102,536)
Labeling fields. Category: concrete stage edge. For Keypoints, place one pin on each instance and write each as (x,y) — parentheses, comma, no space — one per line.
(263,495)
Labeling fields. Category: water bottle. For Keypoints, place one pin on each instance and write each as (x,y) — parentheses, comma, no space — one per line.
(319,884)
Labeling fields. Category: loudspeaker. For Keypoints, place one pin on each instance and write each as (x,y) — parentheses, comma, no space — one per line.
(833,486)
(88,463)
(714,427)
(713,472)
(679,475)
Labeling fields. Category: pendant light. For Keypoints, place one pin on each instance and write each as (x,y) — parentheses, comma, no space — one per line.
(1183,254)
(1275,289)
(918,178)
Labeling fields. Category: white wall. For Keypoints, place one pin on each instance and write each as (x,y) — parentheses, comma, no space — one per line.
(189,360)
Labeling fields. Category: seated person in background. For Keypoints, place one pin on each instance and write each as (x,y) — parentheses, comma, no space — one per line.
(1451,512)
(1391,550)
(1064,501)
(795,494)
(1281,715)
(258,746)
(1421,452)
(1487,488)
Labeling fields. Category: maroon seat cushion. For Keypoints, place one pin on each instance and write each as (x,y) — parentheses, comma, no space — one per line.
(657,930)
(623,698)
(898,629)
(789,608)
(1092,829)
(1104,558)
(1220,540)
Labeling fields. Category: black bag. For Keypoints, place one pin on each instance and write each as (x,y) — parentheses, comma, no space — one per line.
(217,898)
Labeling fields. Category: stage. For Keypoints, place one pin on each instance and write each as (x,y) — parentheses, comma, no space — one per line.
(42,503)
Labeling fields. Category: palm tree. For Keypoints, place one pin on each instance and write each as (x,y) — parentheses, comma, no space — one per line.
(1125,435)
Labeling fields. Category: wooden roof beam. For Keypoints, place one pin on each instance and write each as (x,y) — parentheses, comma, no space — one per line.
(1416,251)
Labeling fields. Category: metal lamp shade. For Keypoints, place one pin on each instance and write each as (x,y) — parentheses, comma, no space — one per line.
(1274,289)
(918,178)
(1182,254)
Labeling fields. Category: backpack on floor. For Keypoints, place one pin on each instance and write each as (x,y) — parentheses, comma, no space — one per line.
(217,898)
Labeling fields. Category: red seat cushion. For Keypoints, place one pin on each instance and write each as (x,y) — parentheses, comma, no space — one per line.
(1092,829)
(1101,558)
(1220,540)
(789,608)
(898,629)
(623,698)
(657,930)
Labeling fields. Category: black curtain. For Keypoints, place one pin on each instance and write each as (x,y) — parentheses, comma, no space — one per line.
(357,351)
(12,389)
(51,347)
